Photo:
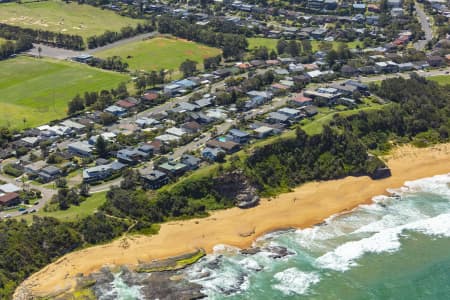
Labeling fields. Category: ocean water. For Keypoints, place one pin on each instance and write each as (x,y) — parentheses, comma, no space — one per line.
(396,248)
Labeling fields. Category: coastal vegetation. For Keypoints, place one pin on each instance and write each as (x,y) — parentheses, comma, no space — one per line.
(36,91)
(419,112)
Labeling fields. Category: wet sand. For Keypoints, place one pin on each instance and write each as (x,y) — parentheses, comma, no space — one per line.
(307,205)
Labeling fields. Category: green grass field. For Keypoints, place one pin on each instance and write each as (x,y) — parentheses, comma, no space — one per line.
(160,53)
(54,15)
(39,89)
(272,44)
(441,79)
(86,208)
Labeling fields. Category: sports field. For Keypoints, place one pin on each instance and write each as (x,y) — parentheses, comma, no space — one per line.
(160,53)
(38,90)
(57,16)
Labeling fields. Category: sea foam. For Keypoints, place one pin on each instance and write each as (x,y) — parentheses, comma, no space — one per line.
(294,281)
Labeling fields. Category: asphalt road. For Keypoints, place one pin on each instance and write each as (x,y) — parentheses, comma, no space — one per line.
(62,54)
(426,27)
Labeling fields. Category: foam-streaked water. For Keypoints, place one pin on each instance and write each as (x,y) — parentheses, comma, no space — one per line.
(396,248)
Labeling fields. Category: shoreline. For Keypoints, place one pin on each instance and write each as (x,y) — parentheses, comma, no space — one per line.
(305,206)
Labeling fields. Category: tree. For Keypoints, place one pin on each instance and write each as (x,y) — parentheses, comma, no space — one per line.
(101,146)
(331,57)
(76,105)
(122,91)
(281,46)
(61,183)
(84,190)
(188,67)
(293,48)
(140,84)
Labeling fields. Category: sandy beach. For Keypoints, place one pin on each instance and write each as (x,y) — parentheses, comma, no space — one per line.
(307,205)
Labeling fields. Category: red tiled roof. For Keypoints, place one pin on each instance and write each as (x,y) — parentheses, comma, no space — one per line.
(151,96)
(301,98)
(280,86)
(125,104)
(8,198)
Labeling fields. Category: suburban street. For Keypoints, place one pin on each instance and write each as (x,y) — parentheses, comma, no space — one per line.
(426,27)
(200,142)
(47,194)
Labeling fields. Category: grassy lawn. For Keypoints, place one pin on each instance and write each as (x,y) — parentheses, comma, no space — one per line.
(86,208)
(272,44)
(441,79)
(253,43)
(160,53)
(2,40)
(39,89)
(54,15)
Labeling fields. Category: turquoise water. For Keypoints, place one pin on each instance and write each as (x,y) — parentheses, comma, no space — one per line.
(396,248)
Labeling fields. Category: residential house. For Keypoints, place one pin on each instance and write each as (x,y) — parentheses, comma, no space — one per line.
(81,148)
(394,3)
(150,96)
(278,118)
(191,161)
(146,122)
(167,138)
(9,188)
(34,168)
(278,88)
(204,102)
(172,89)
(179,132)
(191,127)
(301,100)
(102,172)
(359,7)
(435,61)
(9,199)
(154,180)
(31,141)
(49,173)
(125,104)
(107,136)
(211,153)
(74,126)
(310,110)
(290,112)
(386,67)
(130,156)
(344,89)
(406,67)
(116,110)
(239,136)
(262,132)
(228,146)
(173,168)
